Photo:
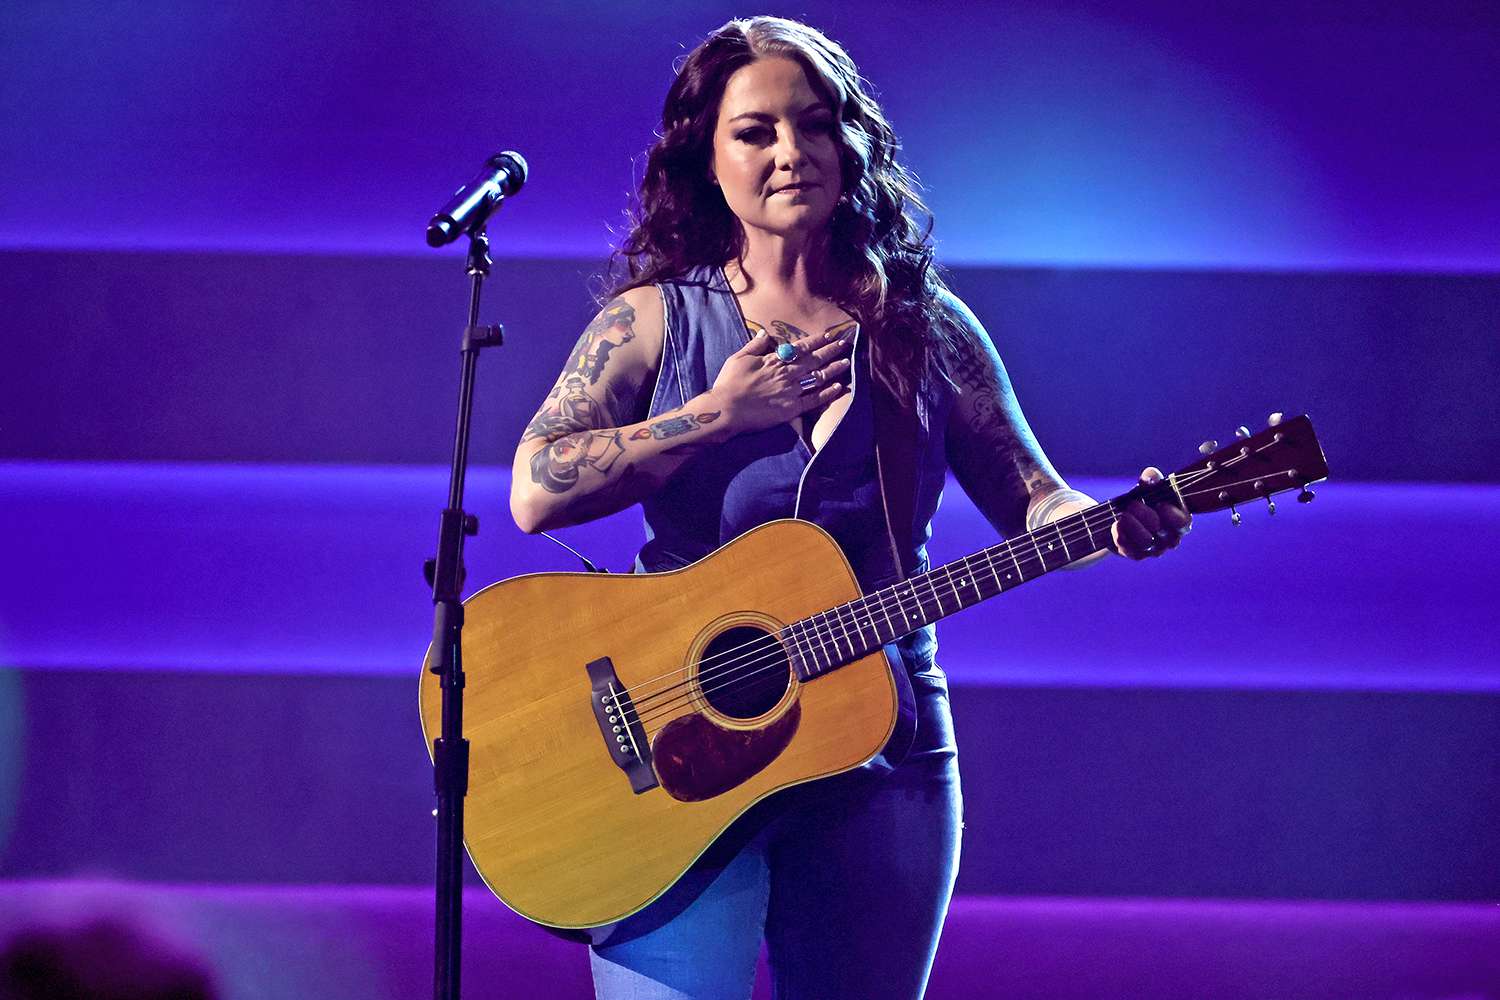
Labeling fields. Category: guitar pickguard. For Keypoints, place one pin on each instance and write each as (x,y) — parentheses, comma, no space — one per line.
(696,759)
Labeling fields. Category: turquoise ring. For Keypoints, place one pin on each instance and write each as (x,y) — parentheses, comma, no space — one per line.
(786,353)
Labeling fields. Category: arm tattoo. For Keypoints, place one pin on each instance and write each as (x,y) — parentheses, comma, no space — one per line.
(672,426)
(998,456)
(594,344)
(988,413)
(570,406)
(573,410)
(557,466)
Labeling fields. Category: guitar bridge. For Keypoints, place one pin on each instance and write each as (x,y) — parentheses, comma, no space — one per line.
(620,725)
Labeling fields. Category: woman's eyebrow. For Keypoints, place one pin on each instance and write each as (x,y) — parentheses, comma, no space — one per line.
(764,116)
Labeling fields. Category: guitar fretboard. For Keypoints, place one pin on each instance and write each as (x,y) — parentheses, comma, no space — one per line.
(844,633)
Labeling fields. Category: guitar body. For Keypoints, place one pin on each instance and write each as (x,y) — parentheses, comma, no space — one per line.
(619,724)
(553,822)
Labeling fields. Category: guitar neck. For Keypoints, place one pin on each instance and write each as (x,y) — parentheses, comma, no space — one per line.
(842,634)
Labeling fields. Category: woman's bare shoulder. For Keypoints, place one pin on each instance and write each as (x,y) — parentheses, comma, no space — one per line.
(638,319)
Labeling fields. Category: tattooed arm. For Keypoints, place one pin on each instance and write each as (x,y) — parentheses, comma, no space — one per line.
(584,455)
(587,453)
(1003,469)
(991,449)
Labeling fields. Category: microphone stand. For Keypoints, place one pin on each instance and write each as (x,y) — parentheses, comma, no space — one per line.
(450,751)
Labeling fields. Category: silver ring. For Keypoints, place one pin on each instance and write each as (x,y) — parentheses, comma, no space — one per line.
(786,352)
(808,382)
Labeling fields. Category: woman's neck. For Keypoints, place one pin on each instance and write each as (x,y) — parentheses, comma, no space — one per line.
(794,270)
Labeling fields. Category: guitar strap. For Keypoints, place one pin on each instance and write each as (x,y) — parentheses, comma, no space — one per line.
(899,429)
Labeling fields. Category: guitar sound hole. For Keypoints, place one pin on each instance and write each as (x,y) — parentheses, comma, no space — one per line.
(744,672)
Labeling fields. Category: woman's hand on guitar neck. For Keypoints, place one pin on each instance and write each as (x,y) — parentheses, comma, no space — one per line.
(755,389)
(1144,531)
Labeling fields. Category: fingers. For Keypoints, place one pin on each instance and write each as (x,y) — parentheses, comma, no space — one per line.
(832,345)
(1146,531)
(824,396)
(1131,538)
(761,343)
(1175,519)
(834,371)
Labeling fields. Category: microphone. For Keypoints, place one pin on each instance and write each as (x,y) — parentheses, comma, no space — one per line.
(471,205)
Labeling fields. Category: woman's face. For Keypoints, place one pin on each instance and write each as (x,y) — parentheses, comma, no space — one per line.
(774,153)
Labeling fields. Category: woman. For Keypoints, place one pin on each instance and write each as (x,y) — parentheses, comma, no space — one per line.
(784,348)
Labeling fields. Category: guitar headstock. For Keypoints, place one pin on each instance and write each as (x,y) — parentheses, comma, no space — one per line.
(1285,456)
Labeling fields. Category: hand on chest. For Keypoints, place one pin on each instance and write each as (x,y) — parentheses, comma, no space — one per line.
(804,332)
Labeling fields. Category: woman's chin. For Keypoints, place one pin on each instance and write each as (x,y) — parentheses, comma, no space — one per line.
(796,221)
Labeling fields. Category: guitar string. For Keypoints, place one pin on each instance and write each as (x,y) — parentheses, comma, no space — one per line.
(743,676)
(738,673)
(846,618)
(955,575)
(1014,543)
(826,631)
(733,674)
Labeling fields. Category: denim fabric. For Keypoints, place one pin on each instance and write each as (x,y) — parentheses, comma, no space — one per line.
(723,492)
(847,879)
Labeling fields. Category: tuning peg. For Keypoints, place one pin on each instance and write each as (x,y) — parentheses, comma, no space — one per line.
(1271,506)
(1207,447)
(1242,432)
(1306,496)
(1234,516)
(1275,419)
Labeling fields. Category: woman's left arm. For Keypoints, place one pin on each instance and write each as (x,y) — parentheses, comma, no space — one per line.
(1002,468)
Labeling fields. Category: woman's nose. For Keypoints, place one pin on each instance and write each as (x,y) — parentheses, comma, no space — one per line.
(789,149)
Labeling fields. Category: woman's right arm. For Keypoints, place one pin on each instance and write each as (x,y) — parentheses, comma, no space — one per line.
(582,457)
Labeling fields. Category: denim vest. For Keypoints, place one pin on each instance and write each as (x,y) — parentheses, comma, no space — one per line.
(752,478)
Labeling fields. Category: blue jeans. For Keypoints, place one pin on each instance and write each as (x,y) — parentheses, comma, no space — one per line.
(847,879)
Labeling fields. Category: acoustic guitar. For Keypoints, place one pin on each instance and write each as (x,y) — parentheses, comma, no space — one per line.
(619,724)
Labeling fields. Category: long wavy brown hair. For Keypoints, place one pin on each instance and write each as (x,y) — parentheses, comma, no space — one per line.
(881,268)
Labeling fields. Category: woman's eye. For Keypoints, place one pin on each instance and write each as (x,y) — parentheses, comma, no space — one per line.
(752,135)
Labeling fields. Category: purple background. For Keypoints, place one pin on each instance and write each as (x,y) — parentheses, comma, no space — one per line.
(1279,135)
(227,369)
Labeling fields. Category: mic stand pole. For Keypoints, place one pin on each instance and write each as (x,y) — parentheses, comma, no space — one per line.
(450,751)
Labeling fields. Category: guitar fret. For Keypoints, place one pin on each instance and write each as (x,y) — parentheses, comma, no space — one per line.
(840,619)
(889,627)
(1020,577)
(953,586)
(863,621)
(935,595)
(989,564)
(870,621)
(822,642)
(1090,529)
(790,632)
(831,642)
(805,646)
(974,580)
(1057,527)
